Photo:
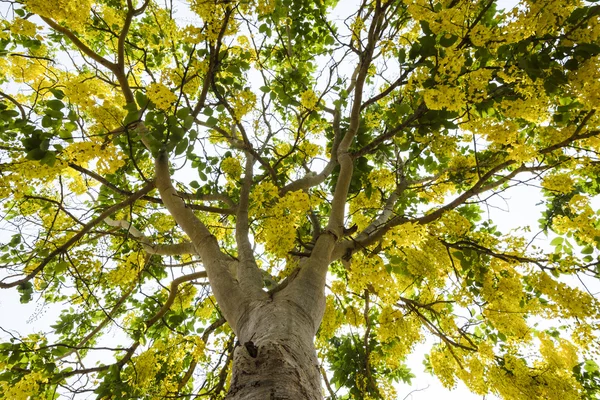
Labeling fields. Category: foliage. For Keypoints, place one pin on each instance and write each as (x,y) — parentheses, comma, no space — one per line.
(388,131)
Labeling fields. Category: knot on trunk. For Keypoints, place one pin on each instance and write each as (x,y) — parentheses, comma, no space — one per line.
(251,348)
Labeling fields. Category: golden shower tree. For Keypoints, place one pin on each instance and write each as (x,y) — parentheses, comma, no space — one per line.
(257,199)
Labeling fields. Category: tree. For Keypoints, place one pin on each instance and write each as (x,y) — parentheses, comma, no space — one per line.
(253,199)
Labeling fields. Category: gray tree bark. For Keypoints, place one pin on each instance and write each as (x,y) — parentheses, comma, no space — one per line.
(275,357)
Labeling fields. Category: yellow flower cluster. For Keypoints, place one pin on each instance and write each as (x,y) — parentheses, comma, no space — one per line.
(476,84)
(369,271)
(74,13)
(406,235)
(309,149)
(29,70)
(126,271)
(198,348)
(162,222)
(85,90)
(443,365)
(354,316)
(560,183)
(443,145)
(498,133)
(26,388)
(213,17)
(546,17)
(448,20)
(193,76)
(192,35)
(146,367)
(206,309)
(159,32)
(161,95)
(585,83)
(451,64)
(382,178)
(185,295)
(522,152)
(453,224)
(583,225)
(243,103)
(155,372)
(23,27)
(357,27)
(516,380)
(332,319)
(76,183)
(107,117)
(472,374)
(279,228)
(113,17)
(534,109)
(374,118)
(265,7)
(108,158)
(400,332)
(231,167)
(262,196)
(563,356)
(567,301)
(503,292)
(309,99)
(444,97)
(360,207)
(428,262)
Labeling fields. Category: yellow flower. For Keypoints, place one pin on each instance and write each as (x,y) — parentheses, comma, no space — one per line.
(309,99)
(161,95)
(231,167)
(72,12)
(561,183)
(21,26)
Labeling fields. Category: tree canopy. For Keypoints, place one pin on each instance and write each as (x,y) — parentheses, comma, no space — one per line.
(166,165)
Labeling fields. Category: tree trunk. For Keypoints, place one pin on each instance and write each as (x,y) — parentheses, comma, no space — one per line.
(275,357)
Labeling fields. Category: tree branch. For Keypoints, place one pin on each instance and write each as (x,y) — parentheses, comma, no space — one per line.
(225,287)
(85,229)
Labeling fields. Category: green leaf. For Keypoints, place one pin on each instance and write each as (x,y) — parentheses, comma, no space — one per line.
(131,117)
(212,121)
(181,146)
(587,250)
(183,113)
(572,64)
(48,122)
(59,94)
(141,99)
(26,290)
(61,267)
(55,105)
(48,159)
(188,122)
(425,28)
(402,109)
(427,46)
(35,154)
(448,40)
